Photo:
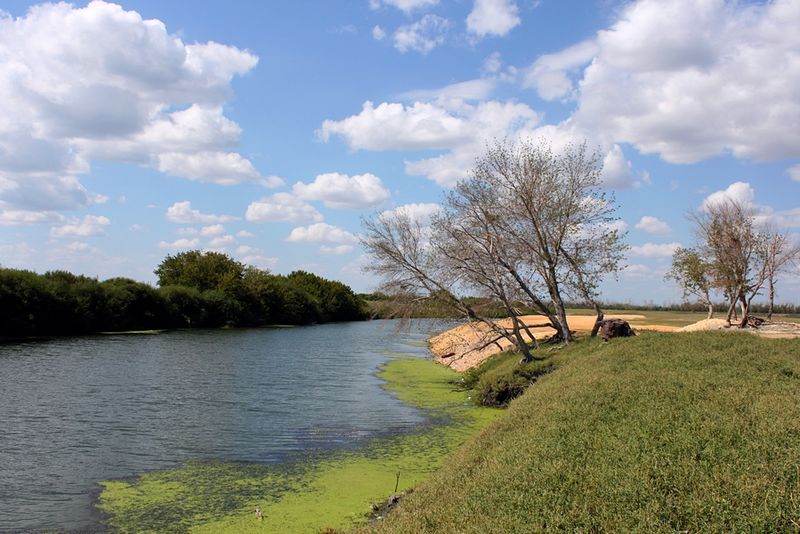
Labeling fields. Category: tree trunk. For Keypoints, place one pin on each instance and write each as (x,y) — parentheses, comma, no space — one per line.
(745,311)
(599,321)
(710,310)
(771,299)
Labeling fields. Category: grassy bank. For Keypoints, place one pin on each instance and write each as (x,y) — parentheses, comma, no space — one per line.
(664,432)
(330,491)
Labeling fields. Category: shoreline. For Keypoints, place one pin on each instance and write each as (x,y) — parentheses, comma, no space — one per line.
(309,496)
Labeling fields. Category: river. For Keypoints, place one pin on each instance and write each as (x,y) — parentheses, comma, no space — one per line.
(76,411)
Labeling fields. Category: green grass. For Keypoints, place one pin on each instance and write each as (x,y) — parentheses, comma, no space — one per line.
(328,491)
(659,433)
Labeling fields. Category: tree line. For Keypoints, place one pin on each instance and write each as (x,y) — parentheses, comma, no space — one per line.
(195,289)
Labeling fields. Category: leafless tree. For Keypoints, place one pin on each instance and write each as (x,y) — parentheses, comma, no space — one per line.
(736,251)
(527,226)
(778,254)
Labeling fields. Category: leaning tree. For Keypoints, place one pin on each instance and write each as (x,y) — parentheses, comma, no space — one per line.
(528,226)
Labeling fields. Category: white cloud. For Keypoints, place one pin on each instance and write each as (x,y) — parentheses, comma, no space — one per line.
(222,241)
(637,270)
(794,172)
(378,33)
(212,230)
(407,6)
(462,130)
(616,169)
(90,225)
(654,250)
(549,74)
(336,250)
(244,233)
(320,233)
(691,79)
(224,168)
(182,243)
(183,213)
(421,36)
(281,207)
(741,192)
(493,17)
(653,225)
(84,83)
(419,213)
(478,89)
(12,217)
(341,191)
(260,261)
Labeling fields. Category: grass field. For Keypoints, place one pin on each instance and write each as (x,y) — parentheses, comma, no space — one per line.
(659,433)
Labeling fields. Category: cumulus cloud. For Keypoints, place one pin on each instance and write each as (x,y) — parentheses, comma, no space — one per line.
(616,169)
(493,17)
(653,225)
(183,213)
(549,75)
(282,207)
(88,226)
(225,168)
(654,250)
(12,217)
(223,241)
(689,80)
(378,33)
(407,6)
(244,233)
(462,130)
(794,172)
(83,83)
(341,191)
(212,230)
(423,35)
(417,212)
(337,250)
(478,89)
(321,233)
(741,192)
(178,244)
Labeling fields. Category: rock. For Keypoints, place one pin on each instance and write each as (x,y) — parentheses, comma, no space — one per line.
(615,328)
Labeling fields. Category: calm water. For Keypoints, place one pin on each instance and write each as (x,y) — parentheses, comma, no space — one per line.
(77,411)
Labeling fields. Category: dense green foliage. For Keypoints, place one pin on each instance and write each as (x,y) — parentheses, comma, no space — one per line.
(665,432)
(197,289)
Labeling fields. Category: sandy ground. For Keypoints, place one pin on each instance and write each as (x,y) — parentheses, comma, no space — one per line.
(469,345)
(774,330)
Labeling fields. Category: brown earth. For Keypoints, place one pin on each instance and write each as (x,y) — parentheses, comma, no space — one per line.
(775,330)
(469,345)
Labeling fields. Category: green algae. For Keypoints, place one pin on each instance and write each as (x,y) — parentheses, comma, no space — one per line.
(330,491)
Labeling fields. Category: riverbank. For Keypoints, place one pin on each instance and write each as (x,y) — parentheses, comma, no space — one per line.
(661,432)
(334,491)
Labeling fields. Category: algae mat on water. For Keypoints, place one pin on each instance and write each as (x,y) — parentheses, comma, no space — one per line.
(328,491)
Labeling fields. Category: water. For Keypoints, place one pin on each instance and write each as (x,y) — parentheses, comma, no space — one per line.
(77,411)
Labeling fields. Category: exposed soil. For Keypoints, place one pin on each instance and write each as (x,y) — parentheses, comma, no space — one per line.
(770,329)
(469,345)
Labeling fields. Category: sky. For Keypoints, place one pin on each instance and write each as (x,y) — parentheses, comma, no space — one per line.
(269,130)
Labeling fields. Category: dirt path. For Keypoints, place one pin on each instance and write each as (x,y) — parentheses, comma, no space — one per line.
(469,345)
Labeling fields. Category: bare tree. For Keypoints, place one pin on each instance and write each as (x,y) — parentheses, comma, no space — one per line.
(404,256)
(736,252)
(693,274)
(778,254)
(528,226)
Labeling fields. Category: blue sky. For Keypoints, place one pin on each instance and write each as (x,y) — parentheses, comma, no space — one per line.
(267,130)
